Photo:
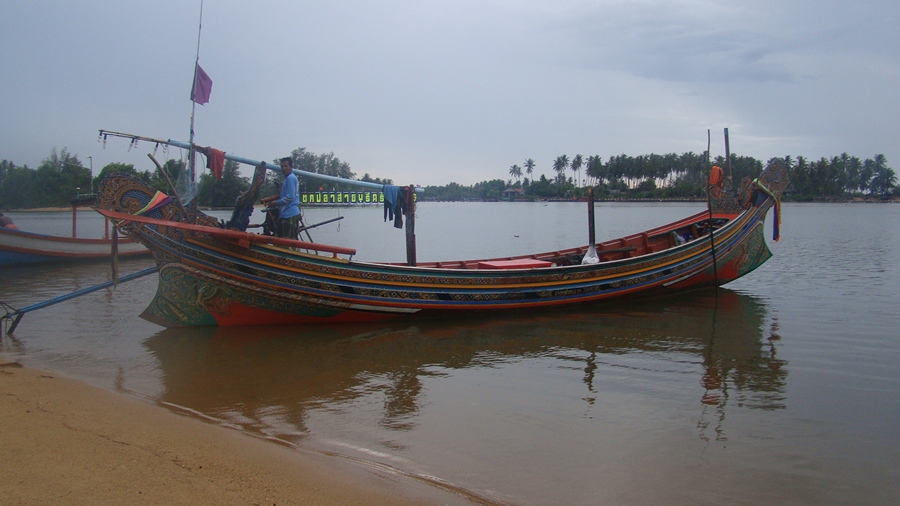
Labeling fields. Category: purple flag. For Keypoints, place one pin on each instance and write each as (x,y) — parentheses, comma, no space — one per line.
(202,86)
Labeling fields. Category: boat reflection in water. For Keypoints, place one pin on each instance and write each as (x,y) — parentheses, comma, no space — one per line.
(270,380)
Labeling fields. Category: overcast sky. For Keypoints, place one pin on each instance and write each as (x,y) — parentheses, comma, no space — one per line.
(433,92)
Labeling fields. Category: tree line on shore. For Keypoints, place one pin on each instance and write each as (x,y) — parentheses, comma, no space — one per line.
(62,176)
(684,176)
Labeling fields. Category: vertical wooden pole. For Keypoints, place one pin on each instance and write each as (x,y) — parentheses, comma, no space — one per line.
(591,236)
(712,242)
(114,253)
(411,226)
(728,155)
(74,207)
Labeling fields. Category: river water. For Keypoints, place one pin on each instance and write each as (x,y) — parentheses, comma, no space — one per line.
(783,388)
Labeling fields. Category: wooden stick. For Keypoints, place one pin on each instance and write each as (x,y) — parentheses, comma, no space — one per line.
(171,186)
(728,157)
(236,235)
(712,242)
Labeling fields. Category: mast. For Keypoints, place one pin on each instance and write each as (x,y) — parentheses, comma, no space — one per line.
(191,153)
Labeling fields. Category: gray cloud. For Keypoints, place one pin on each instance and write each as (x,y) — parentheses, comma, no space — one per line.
(433,92)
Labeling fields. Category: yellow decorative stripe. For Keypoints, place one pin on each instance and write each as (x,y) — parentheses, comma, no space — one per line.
(340,262)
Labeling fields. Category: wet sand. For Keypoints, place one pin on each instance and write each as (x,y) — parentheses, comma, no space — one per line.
(66,442)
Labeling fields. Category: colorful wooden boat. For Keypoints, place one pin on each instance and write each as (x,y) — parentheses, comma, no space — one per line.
(19,247)
(212,276)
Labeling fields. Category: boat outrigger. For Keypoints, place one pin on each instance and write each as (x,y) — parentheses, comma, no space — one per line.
(213,275)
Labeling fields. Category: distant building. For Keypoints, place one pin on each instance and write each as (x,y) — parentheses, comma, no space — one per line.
(512,194)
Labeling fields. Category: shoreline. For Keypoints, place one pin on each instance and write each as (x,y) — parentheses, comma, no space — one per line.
(650,200)
(65,442)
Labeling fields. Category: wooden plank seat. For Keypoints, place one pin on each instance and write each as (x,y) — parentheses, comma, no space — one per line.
(518,263)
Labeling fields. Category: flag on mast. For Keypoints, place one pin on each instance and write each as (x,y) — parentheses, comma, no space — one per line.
(202,86)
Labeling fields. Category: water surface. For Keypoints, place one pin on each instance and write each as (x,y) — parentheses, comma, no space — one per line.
(781,388)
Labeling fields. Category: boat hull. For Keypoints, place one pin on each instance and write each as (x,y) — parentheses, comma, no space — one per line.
(210,276)
(211,281)
(18,247)
(194,295)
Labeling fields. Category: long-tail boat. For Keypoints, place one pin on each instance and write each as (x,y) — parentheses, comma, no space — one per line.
(218,274)
(19,247)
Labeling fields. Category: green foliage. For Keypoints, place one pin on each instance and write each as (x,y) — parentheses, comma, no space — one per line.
(369,179)
(540,188)
(560,165)
(516,172)
(58,180)
(451,192)
(684,176)
(61,177)
(529,167)
(490,190)
(115,167)
(173,169)
(840,176)
(327,164)
(17,184)
(225,192)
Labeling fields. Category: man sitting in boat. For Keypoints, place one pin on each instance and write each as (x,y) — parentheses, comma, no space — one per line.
(7,222)
(287,202)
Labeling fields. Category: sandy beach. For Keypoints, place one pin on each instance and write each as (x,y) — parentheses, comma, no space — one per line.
(66,442)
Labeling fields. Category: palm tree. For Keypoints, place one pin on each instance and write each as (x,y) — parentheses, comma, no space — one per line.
(800,176)
(854,166)
(866,174)
(515,171)
(884,181)
(577,162)
(883,178)
(529,167)
(560,165)
(594,168)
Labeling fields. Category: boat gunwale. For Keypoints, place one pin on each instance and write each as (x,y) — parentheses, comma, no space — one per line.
(22,248)
(62,239)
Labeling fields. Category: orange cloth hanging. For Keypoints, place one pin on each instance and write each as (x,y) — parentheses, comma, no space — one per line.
(716,181)
(215,161)
(716,176)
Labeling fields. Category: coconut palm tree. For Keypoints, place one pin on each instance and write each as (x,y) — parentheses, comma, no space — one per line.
(853,167)
(594,168)
(883,178)
(529,167)
(866,174)
(577,162)
(560,165)
(515,171)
